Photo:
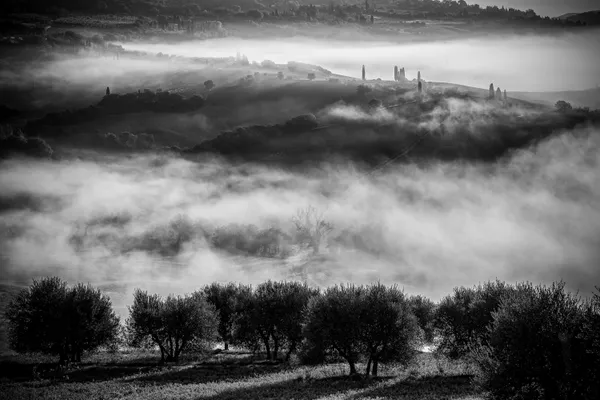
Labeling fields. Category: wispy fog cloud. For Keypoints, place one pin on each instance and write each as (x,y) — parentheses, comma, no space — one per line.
(535,216)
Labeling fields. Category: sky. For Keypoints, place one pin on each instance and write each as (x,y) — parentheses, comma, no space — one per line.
(551,8)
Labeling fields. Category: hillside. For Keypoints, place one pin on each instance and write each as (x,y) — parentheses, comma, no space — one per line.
(590,18)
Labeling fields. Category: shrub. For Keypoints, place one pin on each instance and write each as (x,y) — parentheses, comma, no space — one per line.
(280,75)
(535,348)
(176,324)
(311,76)
(51,318)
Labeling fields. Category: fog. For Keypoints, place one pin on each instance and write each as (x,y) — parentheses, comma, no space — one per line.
(517,63)
(535,216)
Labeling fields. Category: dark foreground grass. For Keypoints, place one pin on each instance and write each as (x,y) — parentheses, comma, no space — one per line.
(231,376)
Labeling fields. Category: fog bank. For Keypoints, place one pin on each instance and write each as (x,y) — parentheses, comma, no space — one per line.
(517,63)
(535,217)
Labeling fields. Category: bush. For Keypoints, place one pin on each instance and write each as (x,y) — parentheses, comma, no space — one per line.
(536,347)
(175,324)
(272,316)
(51,318)
(311,76)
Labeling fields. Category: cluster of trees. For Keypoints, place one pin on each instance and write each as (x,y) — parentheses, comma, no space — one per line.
(13,141)
(533,342)
(526,341)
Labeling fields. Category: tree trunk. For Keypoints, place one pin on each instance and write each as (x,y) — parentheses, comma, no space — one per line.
(226,345)
(267,348)
(275,348)
(368,370)
(352,368)
(375,365)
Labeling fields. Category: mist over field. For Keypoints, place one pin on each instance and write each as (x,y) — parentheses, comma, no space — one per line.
(514,62)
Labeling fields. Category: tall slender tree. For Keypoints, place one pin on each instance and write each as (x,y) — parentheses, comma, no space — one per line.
(364,73)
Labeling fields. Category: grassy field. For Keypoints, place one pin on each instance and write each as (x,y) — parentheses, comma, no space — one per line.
(231,376)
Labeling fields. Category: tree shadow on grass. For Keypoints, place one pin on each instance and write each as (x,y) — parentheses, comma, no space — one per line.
(298,388)
(211,372)
(429,387)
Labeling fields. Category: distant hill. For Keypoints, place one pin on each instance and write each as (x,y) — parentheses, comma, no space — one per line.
(590,17)
(578,98)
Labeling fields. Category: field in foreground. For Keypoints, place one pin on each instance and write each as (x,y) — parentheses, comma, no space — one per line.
(232,376)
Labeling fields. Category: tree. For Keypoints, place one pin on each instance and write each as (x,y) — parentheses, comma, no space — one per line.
(375,103)
(225,299)
(333,323)
(311,76)
(498,94)
(255,15)
(461,319)
(395,72)
(175,324)
(272,316)
(209,85)
(311,228)
(51,318)
(563,106)
(364,76)
(424,310)
(492,93)
(107,91)
(389,328)
(420,86)
(362,90)
(534,347)
(280,75)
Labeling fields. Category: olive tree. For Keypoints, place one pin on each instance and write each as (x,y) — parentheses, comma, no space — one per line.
(226,300)
(333,323)
(272,316)
(390,330)
(49,317)
(175,324)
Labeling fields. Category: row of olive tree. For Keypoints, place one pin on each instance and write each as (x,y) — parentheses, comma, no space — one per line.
(374,323)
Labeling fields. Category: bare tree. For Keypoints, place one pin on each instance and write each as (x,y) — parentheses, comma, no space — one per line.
(311,228)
